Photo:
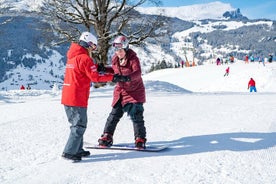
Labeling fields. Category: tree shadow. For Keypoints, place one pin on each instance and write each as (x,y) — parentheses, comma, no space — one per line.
(239,142)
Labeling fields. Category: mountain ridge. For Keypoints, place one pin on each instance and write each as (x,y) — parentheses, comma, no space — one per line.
(213,10)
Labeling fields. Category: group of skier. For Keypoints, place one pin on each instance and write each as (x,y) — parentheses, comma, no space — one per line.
(22,87)
(128,95)
(220,61)
(258,59)
(251,83)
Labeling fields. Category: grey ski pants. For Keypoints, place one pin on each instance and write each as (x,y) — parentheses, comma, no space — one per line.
(77,117)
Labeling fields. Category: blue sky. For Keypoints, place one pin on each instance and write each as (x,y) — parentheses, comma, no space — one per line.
(252,9)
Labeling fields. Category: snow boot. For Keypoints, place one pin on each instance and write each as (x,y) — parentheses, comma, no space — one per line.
(106,140)
(75,158)
(84,153)
(140,143)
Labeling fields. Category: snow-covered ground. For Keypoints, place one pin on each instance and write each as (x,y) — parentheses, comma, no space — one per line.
(217,132)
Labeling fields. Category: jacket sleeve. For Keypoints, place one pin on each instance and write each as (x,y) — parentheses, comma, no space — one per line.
(91,71)
(249,84)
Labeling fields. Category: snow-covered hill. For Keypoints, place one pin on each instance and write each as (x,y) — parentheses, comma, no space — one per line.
(210,77)
(213,136)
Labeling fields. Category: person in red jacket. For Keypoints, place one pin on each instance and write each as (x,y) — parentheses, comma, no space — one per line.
(252,85)
(80,71)
(22,87)
(227,71)
(128,96)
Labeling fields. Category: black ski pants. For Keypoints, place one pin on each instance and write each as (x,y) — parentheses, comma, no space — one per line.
(135,111)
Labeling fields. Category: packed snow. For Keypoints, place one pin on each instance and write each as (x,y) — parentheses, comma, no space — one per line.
(216,131)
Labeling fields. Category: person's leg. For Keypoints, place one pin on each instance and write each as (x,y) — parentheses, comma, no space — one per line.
(135,111)
(77,117)
(255,90)
(114,117)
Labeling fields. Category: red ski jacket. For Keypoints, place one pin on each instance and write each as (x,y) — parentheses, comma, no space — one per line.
(227,70)
(251,83)
(134,90)
(79,72)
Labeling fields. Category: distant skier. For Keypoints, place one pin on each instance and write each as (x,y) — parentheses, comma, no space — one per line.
(252,59)
(218,61)
(22,87)
(261,60)
(246,59)
(232,59)
(270,58)
(182,63)
(28,87)
(227,71)
(252,85)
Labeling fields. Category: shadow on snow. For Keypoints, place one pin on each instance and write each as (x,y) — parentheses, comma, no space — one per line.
(239,142)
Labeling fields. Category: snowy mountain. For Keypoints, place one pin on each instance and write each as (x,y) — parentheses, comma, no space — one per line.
(217,132)
(29,57)
(213,10)
(22,5)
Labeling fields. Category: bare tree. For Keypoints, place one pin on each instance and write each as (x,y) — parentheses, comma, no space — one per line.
(108,18)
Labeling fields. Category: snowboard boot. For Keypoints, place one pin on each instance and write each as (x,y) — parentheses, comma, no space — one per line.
(106,140)
(140,143)
(75,158)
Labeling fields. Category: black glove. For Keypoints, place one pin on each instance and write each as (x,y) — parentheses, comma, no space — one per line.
(120,78)
(116,78)
(101,68)
(125,78)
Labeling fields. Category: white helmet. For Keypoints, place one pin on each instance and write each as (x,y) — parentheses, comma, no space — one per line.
(120,42)
(88,38)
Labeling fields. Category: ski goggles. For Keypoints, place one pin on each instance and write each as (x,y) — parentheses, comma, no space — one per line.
(117,46)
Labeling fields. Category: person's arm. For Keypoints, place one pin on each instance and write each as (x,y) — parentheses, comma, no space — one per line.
(104,69)
(91,71)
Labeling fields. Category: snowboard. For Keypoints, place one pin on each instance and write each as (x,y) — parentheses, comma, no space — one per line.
(127,147)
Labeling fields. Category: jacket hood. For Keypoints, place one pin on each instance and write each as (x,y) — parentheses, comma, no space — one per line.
(75,49)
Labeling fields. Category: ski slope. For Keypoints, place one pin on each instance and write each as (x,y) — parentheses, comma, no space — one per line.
(217,132)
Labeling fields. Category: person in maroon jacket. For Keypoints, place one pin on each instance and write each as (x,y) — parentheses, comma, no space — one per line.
(80,71)
(252,85)
(128,96)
